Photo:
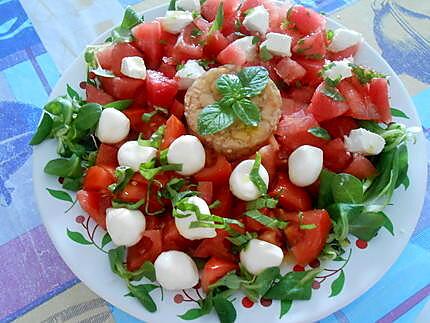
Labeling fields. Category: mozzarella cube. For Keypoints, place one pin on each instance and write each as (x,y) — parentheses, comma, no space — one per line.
(183,224)
(126,227)
(113,126)
(132,154)
(344,38)
(365,142)
(305,165)
(188,5)
(188,151)
(240,182)
(246,44)
(338,70)
(278,44)
(134,67)
(176,270)
(189,73)
(259,255)
(257,20)
(175,21)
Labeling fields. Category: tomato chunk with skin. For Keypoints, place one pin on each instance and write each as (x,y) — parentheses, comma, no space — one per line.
(177,109)
(97,178)
(289,70)
(291,197)
(107,155)
(306,245)
(104,57)
(378,92)
(325,108)
(348,52)
(96,95)
(147,249)
(218,173)
(172,239)
(313,69)
(215,43)
(174,129)
(340,126)
(360,167)
(215,269)
(210,7)
(224,195)
(205,190)
(305,20)
(133,192)
(148,36)
(160,89)
(95,204)
(120,51)
(232,54)
(336,157)
(218,246)
(121,87)
(311,46)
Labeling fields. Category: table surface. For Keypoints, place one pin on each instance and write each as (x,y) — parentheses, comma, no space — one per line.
(40,38)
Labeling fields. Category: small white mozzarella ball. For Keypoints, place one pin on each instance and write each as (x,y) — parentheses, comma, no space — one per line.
(176,270)
(278,44)
(338,70)
(191,71)
(365,142)
(305,165)
(132,154)
(246,44)
(188,5)
(113,126)
(259,255)
(257,20)
(125,226)
(183,224)
(134,67)
(240,182)
(344,38)
(175,21)
(188,151)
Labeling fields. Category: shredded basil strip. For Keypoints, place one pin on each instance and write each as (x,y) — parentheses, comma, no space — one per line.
(255,177)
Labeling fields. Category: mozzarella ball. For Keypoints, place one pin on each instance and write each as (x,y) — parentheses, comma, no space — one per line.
(175,21)
(134,67)
(240,183)
(132,154)
(113,126)
(364,141)
(305,165)
(125,226)
(183,224)
(259,255)
(188,151)
(176,270)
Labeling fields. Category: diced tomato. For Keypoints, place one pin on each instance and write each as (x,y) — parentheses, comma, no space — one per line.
(289,70)
(305,20)
(133,192)
(168,70)
(273,236)
(210,7)
(122,87)
(134,114)
(154,222)
(291,197)
(218,246)
(205,190)
(95,204)
(313,69)
(215,269)
(232,54)
(348,52)
(293,131)
(378,92)
(168,41)
(160,89)
(336,157)
(219,173)
(104,57)
(96,95)
(148,36)
(215,43)
(174,129)
(290,106)
(302,94)
(230,24)
(185,50)
(306,245)
(107,155)
(311,46)
(147,249)
(97,178)
(177,109)
(253,225)
(340,126)
(223,194)
(360,167)
(120,51)
(172,239)
(269,159)
(325,108)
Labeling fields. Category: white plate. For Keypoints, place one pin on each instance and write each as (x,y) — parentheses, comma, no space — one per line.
(364,269)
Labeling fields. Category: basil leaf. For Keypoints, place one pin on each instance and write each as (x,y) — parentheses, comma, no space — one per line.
(266,220)
(149,173)
(365,226)
(365,75)
(43,130)
(213,119)
(62,167)
(123,175)
(403,165)
(320,133)
(294,285)
(88,116)
(131,206)
(247,112)
(224,309)
(73,94)
(347,189)
(116,259)
(265,54)
(228,84)
(155,140)
(262,202)
(254,79)
(332,92)
(219,19)
(255,177)
(141,292)
(387,223)
(131,18)
(398,113)
(241,240)
(119,105)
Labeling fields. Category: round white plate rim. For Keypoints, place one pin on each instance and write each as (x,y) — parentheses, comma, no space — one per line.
(40,196)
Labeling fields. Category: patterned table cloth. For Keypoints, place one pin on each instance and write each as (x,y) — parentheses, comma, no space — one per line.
(40,38)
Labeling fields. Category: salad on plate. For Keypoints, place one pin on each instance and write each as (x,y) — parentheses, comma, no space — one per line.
(230,146)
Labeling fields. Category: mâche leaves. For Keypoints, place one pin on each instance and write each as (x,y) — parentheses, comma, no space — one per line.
(119,105)
(43,130)
(122,33)
(398,113)
(141,293)
(224,309)
(88,116)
